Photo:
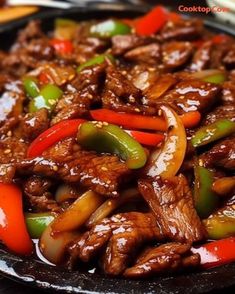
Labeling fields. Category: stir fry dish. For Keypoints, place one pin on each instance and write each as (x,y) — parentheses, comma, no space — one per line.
(117,145)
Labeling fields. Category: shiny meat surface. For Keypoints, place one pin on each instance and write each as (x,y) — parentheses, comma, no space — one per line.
(65,161)
(221,155)
(169,257)
(220,112)
(172,203)
(191,95)
(37,191)
(176,54)
(119,238)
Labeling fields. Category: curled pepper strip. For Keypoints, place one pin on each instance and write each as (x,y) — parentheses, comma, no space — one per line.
(13,231)
(53,135)
(166,162)
(104,137)
(138,121)
(216,253)
(205,198)
(213,132)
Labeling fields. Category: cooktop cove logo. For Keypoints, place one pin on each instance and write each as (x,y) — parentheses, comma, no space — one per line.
(202,9)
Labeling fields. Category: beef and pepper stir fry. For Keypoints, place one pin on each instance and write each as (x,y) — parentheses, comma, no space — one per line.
(117,145)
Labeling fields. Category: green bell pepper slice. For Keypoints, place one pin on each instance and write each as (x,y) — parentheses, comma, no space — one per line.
(37,222)
(109,28)
(48,97)
(31,86)
(99,59)
(104,137)
(215,79)
(213,132)
(221,224)
(205,199)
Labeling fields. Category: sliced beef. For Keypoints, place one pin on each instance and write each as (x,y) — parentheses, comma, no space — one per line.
(31,31)
(172,203)
(192,95)
(11,149)
(40,49)
(176,54)
(229,59)
(11,100)
(221,155)
(148,54)
(33,124)
(123,43)
(67,162)
(119,93)
(220,112)
(86,48)
(184,30)
(163,259)
(202,57)
(228,93)
(119,237)
(37,192)
(83,91)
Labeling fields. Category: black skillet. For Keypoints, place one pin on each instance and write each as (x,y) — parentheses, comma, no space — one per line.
(55,279)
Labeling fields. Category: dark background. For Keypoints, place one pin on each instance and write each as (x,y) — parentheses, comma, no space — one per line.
(10,287)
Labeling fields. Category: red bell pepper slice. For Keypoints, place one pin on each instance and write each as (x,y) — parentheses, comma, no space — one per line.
(137,121)
(219,39)
(13,231)
(216,253)
(133,121)
(45,78)
(144,138)
(60,131)
(152,22)
(62,46)
(191,119)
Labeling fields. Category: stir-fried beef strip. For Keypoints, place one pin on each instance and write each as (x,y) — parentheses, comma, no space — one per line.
(81,94)
(172,203)
(119,238)
(148,54)
(176,54)
(201,58)
(37,191)
(221,155)
(186,30)
(169,257)
(123,43)
(33,124)
(192,95)
(67,162)
(220,112)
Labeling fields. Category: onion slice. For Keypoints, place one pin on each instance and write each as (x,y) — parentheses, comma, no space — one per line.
(78,213)
(53,246)
(167,160)
(110,205)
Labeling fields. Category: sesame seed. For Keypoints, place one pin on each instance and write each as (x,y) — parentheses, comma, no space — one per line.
(55,168)
(108,182)
(9,133)
(105,123)
(51,101)
(103,168)
(137,109)
(7,151)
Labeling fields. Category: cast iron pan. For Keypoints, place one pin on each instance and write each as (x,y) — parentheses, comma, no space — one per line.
(38,274)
